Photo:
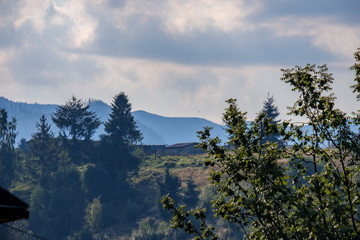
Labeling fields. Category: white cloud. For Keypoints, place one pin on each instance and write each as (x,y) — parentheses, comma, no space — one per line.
(180,16)
(33,11)
(121,16)
(6,82)
(324,33)
(47,52)
(200,15)
(81,25)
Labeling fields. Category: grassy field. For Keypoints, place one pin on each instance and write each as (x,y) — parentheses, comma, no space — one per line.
(152,169)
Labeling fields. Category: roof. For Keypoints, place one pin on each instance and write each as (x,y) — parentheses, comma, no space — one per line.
(11,207)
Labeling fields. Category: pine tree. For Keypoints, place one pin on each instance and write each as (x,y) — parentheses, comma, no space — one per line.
(42,146)
(121,127)
(271,113)
(270,109)
(41,139)
(120,133)
(75,119)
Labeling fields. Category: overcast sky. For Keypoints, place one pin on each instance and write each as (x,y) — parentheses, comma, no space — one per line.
(174,57)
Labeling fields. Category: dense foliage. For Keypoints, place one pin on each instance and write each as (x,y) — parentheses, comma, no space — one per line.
(309,190)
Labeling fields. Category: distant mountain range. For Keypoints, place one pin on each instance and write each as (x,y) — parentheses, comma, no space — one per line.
(156,130)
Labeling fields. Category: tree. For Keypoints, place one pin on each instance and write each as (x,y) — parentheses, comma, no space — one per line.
(42,146)
(120,133)
(270,109)
(191,195)
(271,112)
(75,119)
(93,215)
(7,155)
(7,130)
(121,127)
(171,184)
(66,202)
(314,194)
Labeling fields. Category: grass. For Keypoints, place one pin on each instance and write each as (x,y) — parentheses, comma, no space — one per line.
(188,167)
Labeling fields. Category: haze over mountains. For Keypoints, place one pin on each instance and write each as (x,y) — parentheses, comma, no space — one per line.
(156,129)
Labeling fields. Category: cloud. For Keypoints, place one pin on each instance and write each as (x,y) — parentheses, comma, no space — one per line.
(323,33)
(172,57)
(81,24)
(201,15)
(173,89)
(33,12)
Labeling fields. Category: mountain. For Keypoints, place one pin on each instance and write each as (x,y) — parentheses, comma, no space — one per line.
(156,129)
(172,130)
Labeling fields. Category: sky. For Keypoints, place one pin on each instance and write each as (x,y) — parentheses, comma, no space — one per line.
(175,58)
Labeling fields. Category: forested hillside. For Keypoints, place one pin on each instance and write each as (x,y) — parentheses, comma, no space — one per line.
(79,188)
(155,129)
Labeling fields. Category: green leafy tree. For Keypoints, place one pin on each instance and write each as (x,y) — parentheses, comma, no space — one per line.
(93,217)
(75,119)
(39,208)
(150,228)
(314,194)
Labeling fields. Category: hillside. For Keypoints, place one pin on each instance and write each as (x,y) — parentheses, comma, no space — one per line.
(156,129)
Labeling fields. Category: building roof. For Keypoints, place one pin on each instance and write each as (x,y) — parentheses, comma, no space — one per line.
(11,207)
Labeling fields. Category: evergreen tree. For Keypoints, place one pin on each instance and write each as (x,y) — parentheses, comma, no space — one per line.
(40,141)
(42,146)
(270,109)
(121,127)
(120,133)
(271,113)
(75,119)
(7,154)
